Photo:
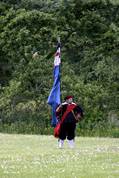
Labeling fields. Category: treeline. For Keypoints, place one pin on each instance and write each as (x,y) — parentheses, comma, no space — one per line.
(89,32)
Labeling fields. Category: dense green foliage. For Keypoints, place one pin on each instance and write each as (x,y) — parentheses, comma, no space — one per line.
(89,32)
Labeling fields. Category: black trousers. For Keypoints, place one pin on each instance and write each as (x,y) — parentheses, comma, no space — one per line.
(67,130)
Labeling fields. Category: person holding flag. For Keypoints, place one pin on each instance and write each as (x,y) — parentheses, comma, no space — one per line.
(65,115)
(68,114)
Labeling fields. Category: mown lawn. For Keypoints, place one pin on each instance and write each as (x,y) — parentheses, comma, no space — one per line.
(37,156)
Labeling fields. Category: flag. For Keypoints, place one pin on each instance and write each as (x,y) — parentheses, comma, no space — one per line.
(54,96)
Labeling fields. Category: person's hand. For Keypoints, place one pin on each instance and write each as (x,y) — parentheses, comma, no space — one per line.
(78,116)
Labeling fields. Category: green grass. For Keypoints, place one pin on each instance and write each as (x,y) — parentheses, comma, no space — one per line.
(37,156)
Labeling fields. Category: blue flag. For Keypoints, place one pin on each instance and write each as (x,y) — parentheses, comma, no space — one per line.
(54,96)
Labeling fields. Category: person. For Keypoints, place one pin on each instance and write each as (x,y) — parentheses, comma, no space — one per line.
(69,113)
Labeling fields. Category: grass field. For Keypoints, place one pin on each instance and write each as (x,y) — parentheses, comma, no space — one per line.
(36,156)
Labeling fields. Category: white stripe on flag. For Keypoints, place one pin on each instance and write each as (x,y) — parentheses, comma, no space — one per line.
(57,59)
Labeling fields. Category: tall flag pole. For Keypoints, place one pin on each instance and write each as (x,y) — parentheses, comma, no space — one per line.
(54,96)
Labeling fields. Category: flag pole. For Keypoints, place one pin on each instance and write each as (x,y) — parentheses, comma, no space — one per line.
(54,98)
(59,44)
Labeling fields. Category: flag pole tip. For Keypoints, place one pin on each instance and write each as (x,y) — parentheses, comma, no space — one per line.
(58,39)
